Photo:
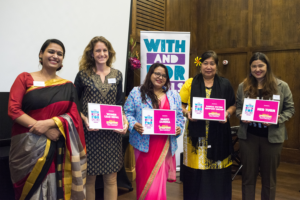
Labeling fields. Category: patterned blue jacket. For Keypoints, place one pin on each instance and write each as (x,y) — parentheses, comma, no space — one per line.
(133,111)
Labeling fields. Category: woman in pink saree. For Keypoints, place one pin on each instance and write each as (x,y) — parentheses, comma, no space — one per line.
(154,155)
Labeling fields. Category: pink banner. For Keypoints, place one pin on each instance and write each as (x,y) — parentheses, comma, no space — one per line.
(266,111)
(111,117)
(214,109)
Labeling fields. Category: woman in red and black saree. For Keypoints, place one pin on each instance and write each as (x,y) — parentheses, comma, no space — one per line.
(154,154)
(47,157)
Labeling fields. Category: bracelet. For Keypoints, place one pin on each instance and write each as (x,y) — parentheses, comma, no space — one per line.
(228,114)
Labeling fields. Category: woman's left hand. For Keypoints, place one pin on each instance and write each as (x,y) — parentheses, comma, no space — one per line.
(189,116)
(224,122)
(267,124)
(125,126)
(122,131)
(178,130)
(40,127)
(53,134)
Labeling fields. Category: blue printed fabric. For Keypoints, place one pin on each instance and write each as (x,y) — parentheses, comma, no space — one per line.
(133,110)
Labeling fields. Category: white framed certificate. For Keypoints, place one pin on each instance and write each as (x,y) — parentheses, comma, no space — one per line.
(265,111)
(159,122)
(103,116)
(209,109)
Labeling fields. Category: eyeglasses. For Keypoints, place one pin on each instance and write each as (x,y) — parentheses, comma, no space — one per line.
(158,75)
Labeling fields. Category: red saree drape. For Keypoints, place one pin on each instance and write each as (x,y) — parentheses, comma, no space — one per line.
(155,168)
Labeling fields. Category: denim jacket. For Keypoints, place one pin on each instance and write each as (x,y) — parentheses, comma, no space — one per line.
(133,110)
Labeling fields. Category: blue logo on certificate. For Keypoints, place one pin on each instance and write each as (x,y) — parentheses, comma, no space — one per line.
(95,116)
(249,109)
(148,121)
(198,108)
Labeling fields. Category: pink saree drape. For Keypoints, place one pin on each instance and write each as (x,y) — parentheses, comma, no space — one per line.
(155,168)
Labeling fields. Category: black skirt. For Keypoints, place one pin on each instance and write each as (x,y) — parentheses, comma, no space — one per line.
(210,184)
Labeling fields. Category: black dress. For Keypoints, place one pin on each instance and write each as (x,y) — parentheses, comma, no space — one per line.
(104,147)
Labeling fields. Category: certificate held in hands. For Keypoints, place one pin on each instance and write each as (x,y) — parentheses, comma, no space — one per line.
(264,111)
(159,122)
(209,109)
(102,116)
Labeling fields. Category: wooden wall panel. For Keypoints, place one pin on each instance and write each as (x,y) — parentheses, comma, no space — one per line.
(235,72)
(182,15)
(285,66)
(224,24)
(276,22)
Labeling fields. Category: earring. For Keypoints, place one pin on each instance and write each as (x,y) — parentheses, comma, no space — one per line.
(59,68)
(40,60)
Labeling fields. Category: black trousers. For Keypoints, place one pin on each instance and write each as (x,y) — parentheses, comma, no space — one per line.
(210,184)
(258,154)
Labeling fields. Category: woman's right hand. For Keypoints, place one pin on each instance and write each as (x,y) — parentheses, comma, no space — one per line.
(246,122)
(86,123)
(139,128)
(53,134)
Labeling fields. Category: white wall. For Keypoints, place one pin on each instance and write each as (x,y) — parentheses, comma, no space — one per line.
(26,25)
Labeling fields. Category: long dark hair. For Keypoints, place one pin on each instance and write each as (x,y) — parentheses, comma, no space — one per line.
(147,87)
(269,82)
(50,41)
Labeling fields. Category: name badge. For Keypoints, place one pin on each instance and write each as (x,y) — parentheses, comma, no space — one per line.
(39,83)
(111,80)
(276,97)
